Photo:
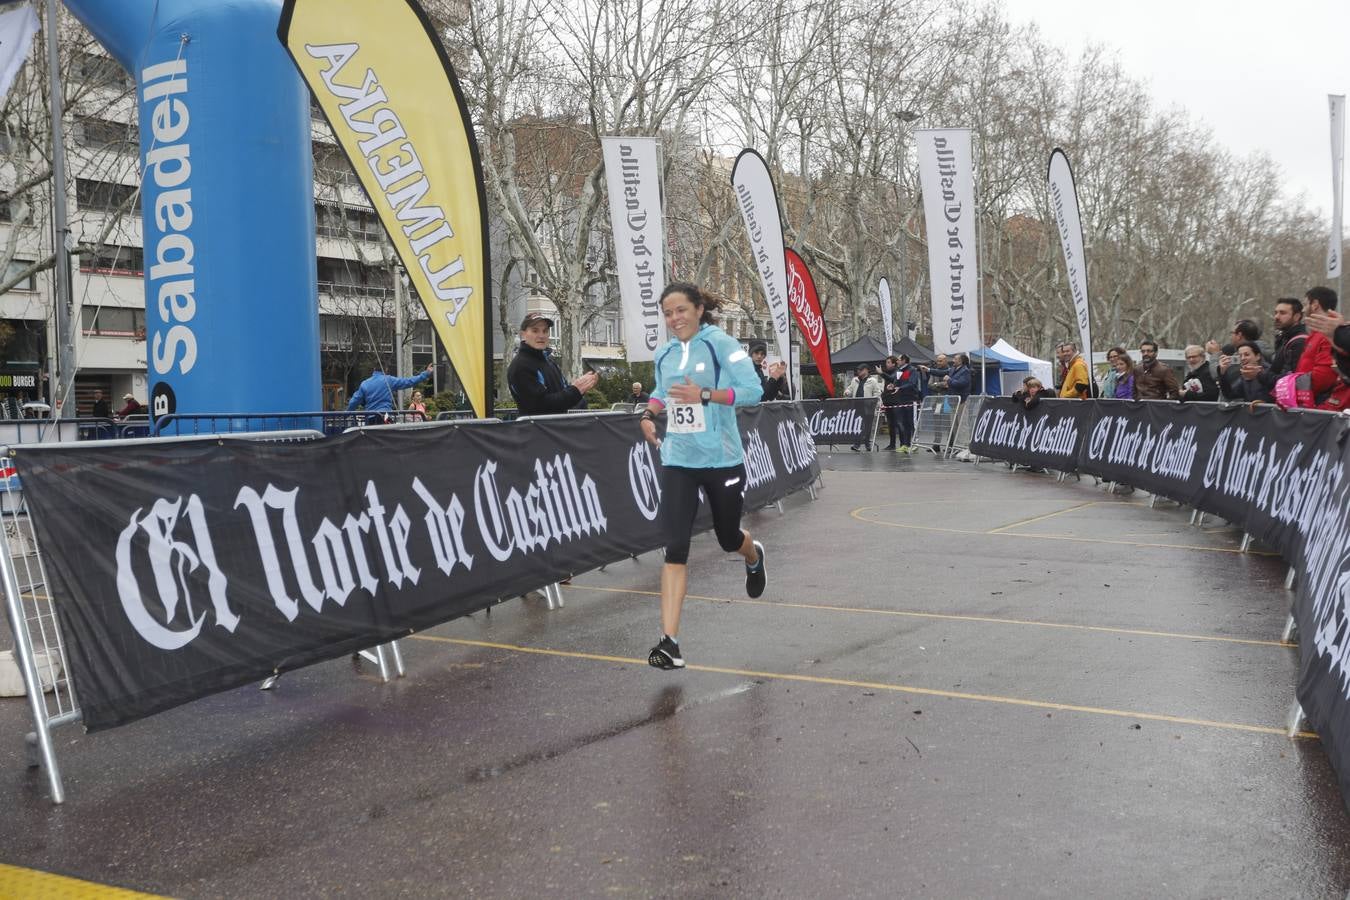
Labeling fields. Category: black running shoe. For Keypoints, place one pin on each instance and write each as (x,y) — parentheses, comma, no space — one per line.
(756,578)
(666,655)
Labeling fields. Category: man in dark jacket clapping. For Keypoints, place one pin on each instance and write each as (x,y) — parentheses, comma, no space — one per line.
(535,379)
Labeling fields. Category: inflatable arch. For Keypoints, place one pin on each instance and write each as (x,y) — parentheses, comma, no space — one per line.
(227,203)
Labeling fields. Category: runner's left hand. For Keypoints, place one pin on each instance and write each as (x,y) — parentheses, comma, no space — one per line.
(688,392)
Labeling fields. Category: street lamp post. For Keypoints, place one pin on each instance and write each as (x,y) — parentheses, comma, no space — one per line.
(903,117)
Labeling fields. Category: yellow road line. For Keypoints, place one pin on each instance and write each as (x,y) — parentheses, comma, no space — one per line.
(855,513)
(16,881)
(880,686)
(954,617)
(1033,519)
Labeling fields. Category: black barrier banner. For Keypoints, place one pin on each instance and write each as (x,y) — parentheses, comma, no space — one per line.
(1048,436)
(186,568)
(1283,477)
(844,420)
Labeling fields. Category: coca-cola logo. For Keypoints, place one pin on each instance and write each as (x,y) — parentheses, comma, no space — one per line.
(813,326)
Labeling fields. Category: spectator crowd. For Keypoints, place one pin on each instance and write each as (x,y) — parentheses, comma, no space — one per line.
(1306,364)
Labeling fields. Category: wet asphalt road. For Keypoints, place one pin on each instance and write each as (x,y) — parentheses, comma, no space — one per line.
(960,682)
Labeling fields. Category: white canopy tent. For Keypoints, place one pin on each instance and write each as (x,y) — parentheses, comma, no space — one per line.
(1041,368)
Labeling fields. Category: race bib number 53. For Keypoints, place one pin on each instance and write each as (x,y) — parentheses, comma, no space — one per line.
(686,418)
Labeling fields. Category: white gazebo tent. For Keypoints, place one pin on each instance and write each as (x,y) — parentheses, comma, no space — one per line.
(1041,368)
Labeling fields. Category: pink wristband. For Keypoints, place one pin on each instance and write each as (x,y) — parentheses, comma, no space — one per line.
(731,396)
(659,402)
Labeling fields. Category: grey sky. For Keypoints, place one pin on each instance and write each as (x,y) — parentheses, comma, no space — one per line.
(1257,74)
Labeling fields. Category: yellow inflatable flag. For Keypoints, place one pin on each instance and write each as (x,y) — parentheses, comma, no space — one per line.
(391,97)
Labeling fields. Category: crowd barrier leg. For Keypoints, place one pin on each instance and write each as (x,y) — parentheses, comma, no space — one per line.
(1295,720)
(1290,626)
(41,736)
(38,646)
(1246,542)
(1290,623)
(383,663)
(553,595)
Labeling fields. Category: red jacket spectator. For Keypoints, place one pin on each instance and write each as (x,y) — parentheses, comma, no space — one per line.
(1317,363)
(131,408)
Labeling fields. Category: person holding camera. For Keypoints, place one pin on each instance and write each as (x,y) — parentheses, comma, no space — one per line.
(773,382)
(1199,383)
(1245,375)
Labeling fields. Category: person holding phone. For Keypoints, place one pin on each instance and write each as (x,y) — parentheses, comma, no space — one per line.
(702,374)
(773,379)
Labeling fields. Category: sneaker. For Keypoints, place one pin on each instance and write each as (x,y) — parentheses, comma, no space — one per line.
(854,448)
(666,655)
(757,577)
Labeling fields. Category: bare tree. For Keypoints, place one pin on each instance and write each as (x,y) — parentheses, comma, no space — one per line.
(548,79)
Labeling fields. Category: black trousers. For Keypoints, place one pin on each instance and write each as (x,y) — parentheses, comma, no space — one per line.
(900,421)
(725,490)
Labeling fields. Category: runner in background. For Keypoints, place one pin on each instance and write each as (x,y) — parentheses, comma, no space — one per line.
(702,374)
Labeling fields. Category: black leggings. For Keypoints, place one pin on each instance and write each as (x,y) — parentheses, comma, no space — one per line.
(725,489)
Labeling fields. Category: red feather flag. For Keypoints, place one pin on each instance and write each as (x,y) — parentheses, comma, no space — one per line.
(805,306)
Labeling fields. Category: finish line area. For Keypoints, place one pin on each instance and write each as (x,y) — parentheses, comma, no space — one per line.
(960,681)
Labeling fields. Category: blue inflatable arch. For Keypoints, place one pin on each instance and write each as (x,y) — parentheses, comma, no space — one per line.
(227,203)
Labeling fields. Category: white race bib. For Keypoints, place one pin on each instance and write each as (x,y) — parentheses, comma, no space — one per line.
(686,418)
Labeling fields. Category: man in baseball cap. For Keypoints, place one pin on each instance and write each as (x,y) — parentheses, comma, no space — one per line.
(535,379)
(773,383)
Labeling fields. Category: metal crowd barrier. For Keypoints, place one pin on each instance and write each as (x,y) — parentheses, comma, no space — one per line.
(420,425)
(38,645)
(52,431)
(966,418)
(936,422)
(329,423)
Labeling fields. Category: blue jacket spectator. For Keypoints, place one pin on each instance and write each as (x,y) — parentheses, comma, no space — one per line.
(376,393)
(959,381)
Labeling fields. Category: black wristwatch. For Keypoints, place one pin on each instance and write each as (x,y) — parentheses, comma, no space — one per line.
(705,395)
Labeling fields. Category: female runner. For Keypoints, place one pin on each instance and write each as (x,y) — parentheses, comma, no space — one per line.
(701,376)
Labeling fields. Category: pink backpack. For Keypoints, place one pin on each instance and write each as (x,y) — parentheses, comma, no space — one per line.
(1294,390)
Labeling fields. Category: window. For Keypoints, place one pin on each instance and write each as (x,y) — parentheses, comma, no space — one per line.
(331,166)
(361,224)
(8,207)
(337,332)
(113,261)
(105,135)
(423,340)
(106,196)
(14,268)
(347,277)
(112,321)
(98,69)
